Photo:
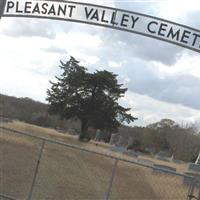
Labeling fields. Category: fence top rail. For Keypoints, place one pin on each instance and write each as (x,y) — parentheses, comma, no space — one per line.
(53,141)
(7,197)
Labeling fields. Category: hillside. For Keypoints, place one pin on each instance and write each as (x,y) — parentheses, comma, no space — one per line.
(20,108)
(31,111)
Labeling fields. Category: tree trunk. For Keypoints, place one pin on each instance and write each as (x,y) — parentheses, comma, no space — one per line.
(84,128)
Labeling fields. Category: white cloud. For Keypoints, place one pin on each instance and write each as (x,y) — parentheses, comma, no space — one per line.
(114,64)
(77,40)
(149,110)
(24,83)
(186,64)
(177,10)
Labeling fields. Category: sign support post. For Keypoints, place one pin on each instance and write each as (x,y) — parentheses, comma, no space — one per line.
(2,7)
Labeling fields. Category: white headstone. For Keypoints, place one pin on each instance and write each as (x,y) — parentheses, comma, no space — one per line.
(145,162)
(98,135)
(130,141)
(194,167)
(113,139)
(163,168)
(120,141)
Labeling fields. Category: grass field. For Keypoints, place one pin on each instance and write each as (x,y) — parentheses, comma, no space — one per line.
(66,173)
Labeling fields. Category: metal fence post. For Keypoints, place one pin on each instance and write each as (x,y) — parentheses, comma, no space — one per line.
(190,195)
(36,170)
(107,196)
(198,195)
(2,7)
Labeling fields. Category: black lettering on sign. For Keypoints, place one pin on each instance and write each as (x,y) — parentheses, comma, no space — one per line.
(88,13)
(103,17)
(195,39)
(71,10)
(95,15)
(125,18)
(172,34)
(44,8)
(52,10)
(10,5)
(27,7)
(162,29)
(149,26)
(186,35)
(134,20)
(36,9)
(113,22)
(62,10)
(17,8)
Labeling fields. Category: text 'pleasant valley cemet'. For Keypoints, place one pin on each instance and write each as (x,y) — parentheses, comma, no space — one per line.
(67,10)
(109,17)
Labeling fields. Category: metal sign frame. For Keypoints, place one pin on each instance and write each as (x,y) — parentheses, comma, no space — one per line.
(2,7)
(109,17)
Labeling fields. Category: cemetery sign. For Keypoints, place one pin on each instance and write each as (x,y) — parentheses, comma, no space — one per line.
(114,18)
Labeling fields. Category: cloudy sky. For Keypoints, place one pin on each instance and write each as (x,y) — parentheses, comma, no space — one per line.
(163,80)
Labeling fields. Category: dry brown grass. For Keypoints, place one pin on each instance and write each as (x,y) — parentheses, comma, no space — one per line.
(66,173)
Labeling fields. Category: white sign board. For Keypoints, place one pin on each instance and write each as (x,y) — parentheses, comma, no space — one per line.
(108,17)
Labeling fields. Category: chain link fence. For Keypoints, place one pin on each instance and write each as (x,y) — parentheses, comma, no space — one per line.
(37,168)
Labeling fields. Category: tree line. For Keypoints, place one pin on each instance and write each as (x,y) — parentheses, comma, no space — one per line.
(181,141)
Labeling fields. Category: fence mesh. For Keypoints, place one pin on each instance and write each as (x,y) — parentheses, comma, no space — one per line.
(69,173)
(137,182)
(18,159)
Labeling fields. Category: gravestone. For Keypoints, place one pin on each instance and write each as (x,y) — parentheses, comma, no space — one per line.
(162,156)
(120,141)
(113,139)
(98,135)
(178,161)
(163,168)
(72,131)
(118,149)
(60,130)
(5,120)
(131,153)
(194,167)
(130,141)
(191,178)
(149,150)
(145,162)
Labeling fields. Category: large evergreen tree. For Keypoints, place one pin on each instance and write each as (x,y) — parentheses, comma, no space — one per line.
(90,97)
